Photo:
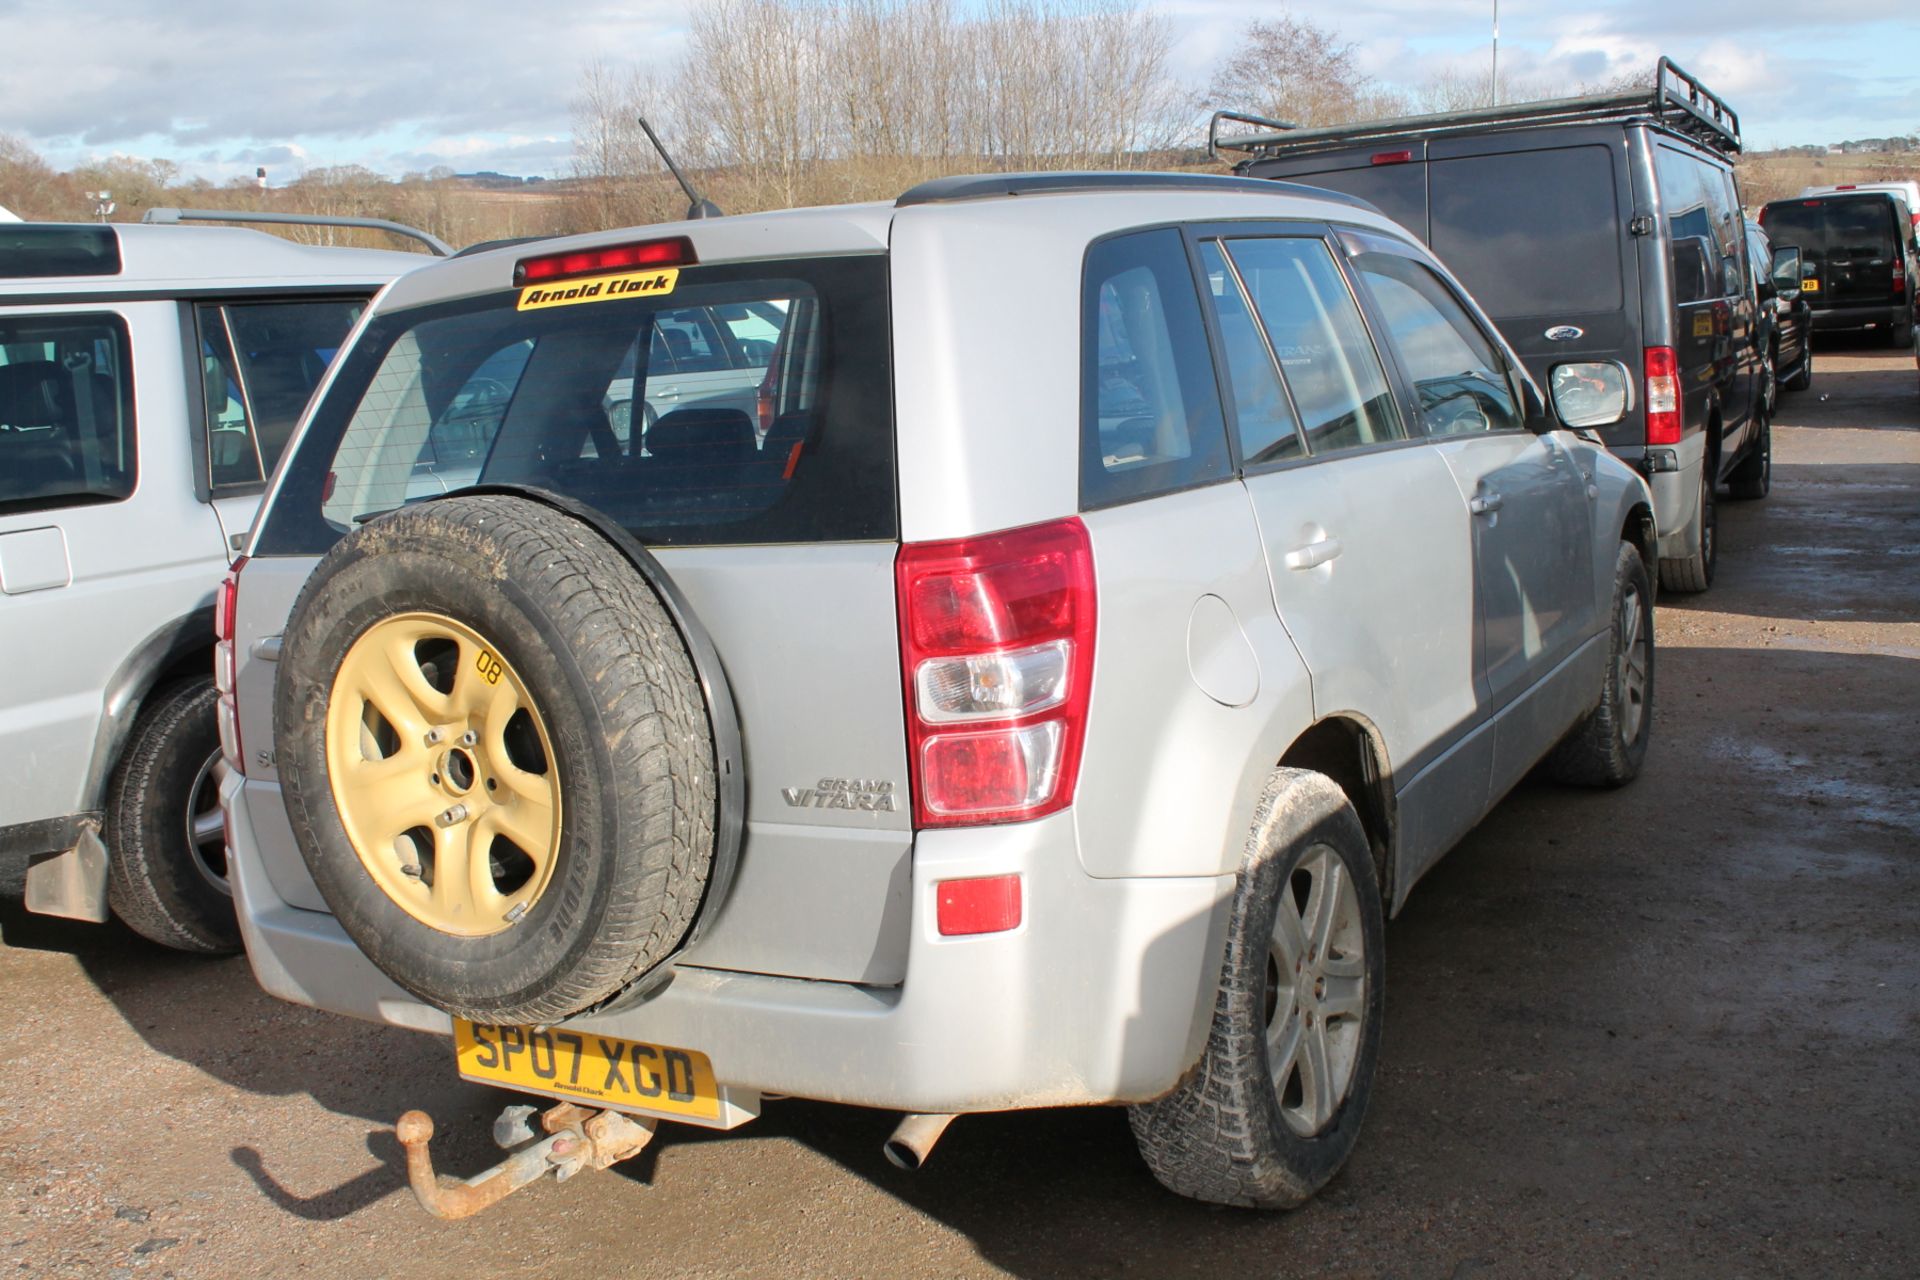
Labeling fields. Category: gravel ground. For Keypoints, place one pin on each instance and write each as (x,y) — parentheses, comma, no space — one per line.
(1668,1029)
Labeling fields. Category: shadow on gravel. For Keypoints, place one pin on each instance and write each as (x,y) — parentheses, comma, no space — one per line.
(343,1201)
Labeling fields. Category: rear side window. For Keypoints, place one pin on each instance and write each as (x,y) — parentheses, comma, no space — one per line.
(1326,355)
(716,449)
(1531,233)
(259,364)
(1704,224)
(1263,417)
(1150,406)
(66,412)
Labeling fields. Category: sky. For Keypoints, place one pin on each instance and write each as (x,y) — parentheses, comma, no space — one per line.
(405,85)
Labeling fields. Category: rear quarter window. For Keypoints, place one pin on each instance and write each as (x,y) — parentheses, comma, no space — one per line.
(1150,411)
(66,412)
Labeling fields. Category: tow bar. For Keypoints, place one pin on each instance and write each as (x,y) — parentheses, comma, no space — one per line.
(577,1139)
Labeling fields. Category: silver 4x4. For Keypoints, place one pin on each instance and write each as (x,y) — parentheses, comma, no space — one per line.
(149,378)
(1129,586)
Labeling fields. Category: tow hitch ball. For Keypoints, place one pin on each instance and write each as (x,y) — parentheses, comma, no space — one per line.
(577,1139)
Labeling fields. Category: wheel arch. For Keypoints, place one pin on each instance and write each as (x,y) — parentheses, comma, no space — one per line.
(175,651)
(1347,747)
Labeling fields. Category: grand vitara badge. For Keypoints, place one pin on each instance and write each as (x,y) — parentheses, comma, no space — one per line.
(873,795)
(1565,333)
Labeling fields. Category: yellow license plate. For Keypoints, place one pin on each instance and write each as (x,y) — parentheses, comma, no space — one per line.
(583,1067)
(1809,286)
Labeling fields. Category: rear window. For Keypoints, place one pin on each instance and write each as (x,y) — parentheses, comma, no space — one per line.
(1531,233)
(66,412)
(1838,229)
(753,404)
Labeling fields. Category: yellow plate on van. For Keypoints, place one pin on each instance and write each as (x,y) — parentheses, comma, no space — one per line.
(579,1066)
(1809,286)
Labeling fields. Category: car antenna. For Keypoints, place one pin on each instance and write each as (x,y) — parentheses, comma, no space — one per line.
(698,205)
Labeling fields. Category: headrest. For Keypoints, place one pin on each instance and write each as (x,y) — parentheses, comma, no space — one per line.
(707,429)
(35,393)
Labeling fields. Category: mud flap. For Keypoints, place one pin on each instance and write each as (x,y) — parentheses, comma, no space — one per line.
(73,884)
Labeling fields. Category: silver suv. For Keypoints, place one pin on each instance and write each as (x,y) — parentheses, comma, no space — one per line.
(149,378)
(1136,584)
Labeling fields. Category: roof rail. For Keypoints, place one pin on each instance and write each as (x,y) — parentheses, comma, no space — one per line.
(987,186)
(1678,102)
(170,216)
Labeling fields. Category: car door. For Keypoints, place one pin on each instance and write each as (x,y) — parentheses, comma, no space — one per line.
(1368,542)
(1528,493)
(103,549)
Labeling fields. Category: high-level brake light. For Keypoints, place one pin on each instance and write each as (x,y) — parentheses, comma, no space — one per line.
(996,645)
(673,251)
(1391,157)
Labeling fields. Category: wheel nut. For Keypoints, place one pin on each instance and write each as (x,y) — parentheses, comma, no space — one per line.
(456,814)
(468,738)
(433,736)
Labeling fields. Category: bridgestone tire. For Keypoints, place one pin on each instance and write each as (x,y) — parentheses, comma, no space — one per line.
(154,883)
(1608,747)
(1693,573)
(632,751)
(1752,479)
(1222,1135)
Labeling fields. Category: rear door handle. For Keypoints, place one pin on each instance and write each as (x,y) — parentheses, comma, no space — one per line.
(1485,504)
(1314,554)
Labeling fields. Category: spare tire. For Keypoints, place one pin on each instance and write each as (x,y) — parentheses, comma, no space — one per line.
(496,758)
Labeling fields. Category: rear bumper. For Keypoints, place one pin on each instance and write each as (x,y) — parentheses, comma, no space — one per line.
(1103,994)
(1886,314)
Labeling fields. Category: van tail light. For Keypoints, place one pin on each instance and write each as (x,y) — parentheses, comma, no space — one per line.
(1663,396)
(996,648)
(1899,278)
(1391,157)
(226,665)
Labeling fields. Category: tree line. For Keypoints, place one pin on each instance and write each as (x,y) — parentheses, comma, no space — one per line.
(778,103)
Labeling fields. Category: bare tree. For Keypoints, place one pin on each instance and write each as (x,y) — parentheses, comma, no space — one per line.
(1293,69)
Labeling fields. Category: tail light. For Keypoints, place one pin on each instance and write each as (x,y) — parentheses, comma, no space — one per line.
(674,251)
(1390,157)
(996,647)
(1663,396)
(1899,278)
(226,665)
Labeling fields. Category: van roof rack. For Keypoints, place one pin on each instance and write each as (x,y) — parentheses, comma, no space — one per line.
(439,247)
(1678,102)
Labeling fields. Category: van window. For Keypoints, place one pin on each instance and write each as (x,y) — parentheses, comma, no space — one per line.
(1836,228)
(1699,203)
(1326,354)
(66,412)
(1531,233)
(1149,403)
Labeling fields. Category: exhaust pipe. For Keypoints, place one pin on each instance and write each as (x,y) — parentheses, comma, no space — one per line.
(912,1141)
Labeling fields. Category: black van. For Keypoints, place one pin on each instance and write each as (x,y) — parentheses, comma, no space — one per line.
(1858,257)
(1605,227)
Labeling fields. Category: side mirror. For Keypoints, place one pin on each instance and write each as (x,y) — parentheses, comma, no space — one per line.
(1787,272)
(1590,393)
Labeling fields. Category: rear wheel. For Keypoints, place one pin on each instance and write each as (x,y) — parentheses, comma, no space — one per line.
(1754,476)
(1275,1105)
(166,846)
(497,758)
(1693,572)
(1607,748)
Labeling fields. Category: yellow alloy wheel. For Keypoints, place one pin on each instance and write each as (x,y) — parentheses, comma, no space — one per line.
(443,774)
